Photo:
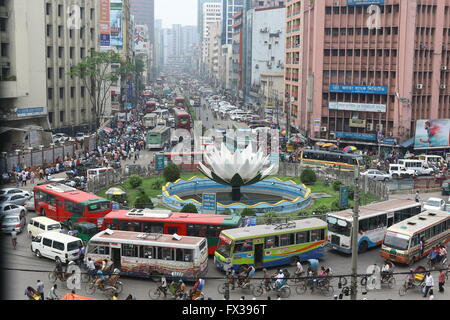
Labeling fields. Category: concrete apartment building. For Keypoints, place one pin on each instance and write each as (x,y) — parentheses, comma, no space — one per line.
(23,101)
(229,9)
(69,107)
(212,12)
(214,53)
(366,77)
(200,15)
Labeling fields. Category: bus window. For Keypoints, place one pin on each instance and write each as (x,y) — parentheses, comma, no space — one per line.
(98,207)
(150,227)
(184,255)
(73,207)
(130,250)
(415,241)
(317,235)
(427,234)
(167,253)
(243,246)
(103,250)
(147,252)
(213,231)
(51,199)
(202,231)
(287,239)
(192,230)
(270,243)
(302,237)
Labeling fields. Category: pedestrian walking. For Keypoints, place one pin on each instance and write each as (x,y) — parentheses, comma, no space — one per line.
(32,176)
(429,283)
(40,288)
(81,256)
(417,198)
(441,281)
(52,293)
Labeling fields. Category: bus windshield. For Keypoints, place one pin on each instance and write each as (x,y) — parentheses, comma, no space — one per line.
(339,226)
(224,248)
(396,241)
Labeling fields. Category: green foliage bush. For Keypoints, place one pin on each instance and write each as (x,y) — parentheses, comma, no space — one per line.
(308,177)
(143,201)
(135,181)
(172,173)
(189,208)
(157,185)
(337,184)
(247,212)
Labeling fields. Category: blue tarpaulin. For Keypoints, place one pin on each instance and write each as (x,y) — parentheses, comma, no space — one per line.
(408,143)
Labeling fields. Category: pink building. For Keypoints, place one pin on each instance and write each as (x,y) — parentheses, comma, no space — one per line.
(358,83)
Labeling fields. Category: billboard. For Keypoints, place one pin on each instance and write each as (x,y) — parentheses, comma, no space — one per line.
(141,38)
(347,106)
(105,30)
(363,2)
(344,88)
(432,134)
(116,24)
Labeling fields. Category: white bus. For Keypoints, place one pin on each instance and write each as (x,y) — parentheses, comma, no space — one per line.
(420,166)
(150,254)
(374,219)
(150,120)
(402,241)
(430,158)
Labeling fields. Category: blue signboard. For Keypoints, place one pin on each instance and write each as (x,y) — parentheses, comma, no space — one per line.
(363,2)
(358,89)
(390,141)
(343,196)
(105,40)
(356,135)
(159,162)
(209,203)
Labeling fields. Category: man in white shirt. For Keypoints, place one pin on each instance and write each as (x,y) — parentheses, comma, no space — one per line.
(280,279)
(429,283)
(91,266)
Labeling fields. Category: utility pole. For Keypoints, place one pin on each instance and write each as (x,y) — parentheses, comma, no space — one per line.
(355,231)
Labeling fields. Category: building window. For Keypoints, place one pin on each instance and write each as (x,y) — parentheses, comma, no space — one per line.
(61,116)
(81,33)
(70,33)
(61,93)
(49,73)
(60,31)
(60,10)
(71,51)
(50,117)
(82,53)
(82,91)
(82,13)
(49,30)
(50,93)
(60,52)
(72,92)
(61,73)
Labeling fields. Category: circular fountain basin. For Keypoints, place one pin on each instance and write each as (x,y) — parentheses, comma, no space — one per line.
(264,196)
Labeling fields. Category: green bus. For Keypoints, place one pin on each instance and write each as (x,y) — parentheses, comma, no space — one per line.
(157,137)
(266,246)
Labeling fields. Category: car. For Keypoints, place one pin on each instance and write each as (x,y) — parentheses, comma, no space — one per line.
(18,199)
(7,209)
(399,171)
(9,191)
(29,204)
(79,136)
(376,175)
(435,204)
(15,222)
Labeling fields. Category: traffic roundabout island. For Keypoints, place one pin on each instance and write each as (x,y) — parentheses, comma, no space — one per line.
(269,195)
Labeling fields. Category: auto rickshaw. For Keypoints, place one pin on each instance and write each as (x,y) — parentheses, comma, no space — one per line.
(445,188)
(85,230)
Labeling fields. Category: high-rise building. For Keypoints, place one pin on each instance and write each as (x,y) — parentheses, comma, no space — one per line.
(67,44)
(144,13)
(229,9)
(365,75)
(200,15)
(212,12)
(23,99)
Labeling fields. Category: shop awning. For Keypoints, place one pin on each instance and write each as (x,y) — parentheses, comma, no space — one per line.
(408,143)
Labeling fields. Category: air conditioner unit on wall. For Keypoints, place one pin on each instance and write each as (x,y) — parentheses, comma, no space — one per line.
(443,86)
(444,68)
(370,126)
(323,129)
(419,86)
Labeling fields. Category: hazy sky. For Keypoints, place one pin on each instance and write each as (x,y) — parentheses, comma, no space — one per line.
(182,12)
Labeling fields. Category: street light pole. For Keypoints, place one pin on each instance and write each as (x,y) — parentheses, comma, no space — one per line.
(355,231)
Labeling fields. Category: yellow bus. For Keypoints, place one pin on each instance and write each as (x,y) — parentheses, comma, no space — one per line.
(338,160)
(402,240)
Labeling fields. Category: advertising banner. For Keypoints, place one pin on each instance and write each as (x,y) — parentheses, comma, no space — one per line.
(357,136)
(347,106)
(357,123)
(343,88)
(432,134)
(105,30)
(141,38)
(363,2)
(343,196)
(116,24)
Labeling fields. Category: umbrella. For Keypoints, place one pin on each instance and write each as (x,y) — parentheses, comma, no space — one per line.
(329,145)
(115,192)
(71,296)
(320,144)
(350,148)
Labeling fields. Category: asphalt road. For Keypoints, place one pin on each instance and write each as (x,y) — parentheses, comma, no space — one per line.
(26,269)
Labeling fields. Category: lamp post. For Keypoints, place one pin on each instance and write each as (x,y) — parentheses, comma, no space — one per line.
(355,231)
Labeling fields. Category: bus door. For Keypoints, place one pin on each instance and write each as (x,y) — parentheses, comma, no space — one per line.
(259,252)
(179,229)
(390,219)
(115,257)
(60,210)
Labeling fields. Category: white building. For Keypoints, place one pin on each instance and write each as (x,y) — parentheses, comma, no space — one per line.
(212,12)
(23,90)
(266,47)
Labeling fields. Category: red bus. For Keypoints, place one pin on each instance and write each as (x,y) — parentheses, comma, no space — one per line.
(182,119)
(69,205)
(167,222)
(150,106)
(180,102)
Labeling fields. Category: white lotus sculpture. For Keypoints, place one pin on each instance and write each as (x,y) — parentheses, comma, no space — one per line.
(241,168)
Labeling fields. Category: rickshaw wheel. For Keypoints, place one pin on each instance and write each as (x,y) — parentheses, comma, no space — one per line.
(52,276)
(328,291)
(119,287)
(90,288)
(85,277)
(221,288)
(285,292)
(154,294)
(391,283)
(301,288)
(402,291)
(258,291)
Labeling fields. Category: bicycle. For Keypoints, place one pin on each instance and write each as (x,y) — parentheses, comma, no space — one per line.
(323,285)
(155,294)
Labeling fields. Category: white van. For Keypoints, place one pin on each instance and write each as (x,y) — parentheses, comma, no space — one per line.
(39,225)
(420,166)
(96,173)
(56,246)
(429,158)
(399,171)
